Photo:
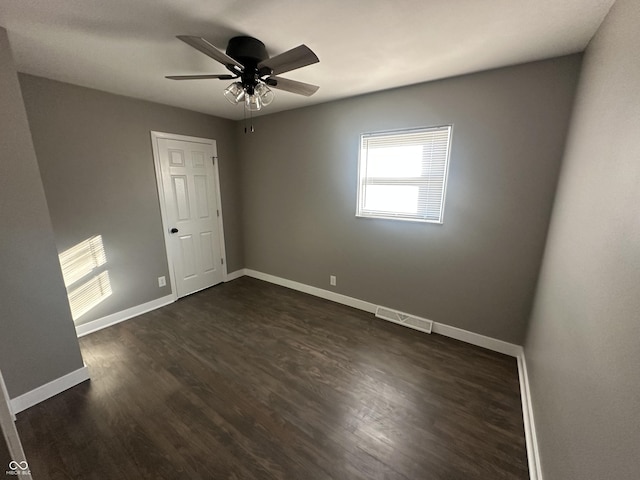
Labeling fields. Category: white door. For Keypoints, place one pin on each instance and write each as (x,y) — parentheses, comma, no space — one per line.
(191,213)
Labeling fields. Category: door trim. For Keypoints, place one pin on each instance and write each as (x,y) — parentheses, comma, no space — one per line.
(9,434)
(155,137)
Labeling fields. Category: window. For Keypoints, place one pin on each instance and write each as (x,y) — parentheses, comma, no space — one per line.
(403,174)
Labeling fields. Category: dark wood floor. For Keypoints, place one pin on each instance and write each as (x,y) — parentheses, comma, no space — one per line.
(248,380)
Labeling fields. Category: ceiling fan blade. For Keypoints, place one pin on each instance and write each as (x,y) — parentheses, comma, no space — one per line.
(292,86)
(298,57)
(200,77)
(205,47)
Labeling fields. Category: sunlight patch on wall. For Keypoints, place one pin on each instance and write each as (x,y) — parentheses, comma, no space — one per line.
(89,294)
(85,275)
(82,259)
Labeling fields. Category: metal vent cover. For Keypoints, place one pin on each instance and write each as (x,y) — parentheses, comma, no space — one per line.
(405,319)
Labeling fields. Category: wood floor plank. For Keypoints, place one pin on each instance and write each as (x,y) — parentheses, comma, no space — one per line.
(248,380)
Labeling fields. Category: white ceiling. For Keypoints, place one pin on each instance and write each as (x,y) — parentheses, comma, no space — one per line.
(127,46)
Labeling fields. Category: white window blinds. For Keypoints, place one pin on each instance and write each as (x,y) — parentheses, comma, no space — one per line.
(403,174)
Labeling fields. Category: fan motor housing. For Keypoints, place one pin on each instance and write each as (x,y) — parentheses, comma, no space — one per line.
(248,51)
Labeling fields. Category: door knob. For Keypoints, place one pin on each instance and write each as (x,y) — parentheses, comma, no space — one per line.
(174,230)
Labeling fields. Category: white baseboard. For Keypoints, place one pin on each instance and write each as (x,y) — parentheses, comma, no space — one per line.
(439,328)
(533,454)
(483,341)
(234,275)
(315,291)
(99,324)
(48,390)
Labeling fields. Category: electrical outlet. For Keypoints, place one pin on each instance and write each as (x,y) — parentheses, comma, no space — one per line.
(332,280)
(162,281)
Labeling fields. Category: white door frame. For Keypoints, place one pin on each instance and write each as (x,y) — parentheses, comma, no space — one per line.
(155,137)
(10,434)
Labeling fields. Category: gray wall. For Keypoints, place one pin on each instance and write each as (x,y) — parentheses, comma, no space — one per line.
(94,152)
(478,270)
(37,339)
(583,344)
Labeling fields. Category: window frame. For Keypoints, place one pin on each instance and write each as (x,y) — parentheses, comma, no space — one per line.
(361,213)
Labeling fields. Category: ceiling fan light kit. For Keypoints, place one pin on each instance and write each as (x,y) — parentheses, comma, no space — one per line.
(261,97)
(252,69)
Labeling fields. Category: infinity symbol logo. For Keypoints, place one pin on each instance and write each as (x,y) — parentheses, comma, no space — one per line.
(13,465)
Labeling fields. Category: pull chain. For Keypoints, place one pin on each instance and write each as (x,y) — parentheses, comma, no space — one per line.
(244,107)
(250,129)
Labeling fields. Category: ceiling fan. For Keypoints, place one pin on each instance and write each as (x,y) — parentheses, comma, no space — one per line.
(247,60)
